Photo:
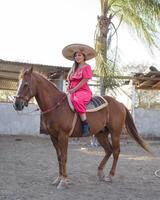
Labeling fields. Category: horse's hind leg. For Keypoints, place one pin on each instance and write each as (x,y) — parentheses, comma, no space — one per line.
(116,152)
(104,142)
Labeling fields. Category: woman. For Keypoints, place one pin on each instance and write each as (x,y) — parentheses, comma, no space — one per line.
(78,77)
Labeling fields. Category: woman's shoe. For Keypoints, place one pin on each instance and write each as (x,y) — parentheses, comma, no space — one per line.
(85,129)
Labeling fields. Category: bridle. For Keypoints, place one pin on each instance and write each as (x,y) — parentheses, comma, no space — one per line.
(26,99)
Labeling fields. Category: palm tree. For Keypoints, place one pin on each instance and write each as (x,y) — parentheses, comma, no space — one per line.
(143,16)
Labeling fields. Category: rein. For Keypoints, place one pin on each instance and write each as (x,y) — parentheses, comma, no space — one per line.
(55,106)
(28,113)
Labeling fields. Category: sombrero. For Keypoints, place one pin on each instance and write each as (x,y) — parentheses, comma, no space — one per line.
(68,51)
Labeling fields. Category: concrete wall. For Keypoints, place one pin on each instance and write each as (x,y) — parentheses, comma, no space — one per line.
(17,123)
(28,122)
(148,122)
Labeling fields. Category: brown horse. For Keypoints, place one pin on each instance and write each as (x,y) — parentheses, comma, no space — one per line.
(58,119)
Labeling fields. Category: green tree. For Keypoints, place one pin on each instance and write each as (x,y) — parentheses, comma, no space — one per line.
(142,16)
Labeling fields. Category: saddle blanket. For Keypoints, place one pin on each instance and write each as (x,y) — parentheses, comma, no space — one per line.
(96,103)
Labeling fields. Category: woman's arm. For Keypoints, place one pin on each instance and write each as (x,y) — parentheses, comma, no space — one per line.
(78,86)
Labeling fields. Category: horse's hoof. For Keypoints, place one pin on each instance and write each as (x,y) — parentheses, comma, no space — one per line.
(56,181)
(101,176)
(108,179)
(69,182)
(63,184)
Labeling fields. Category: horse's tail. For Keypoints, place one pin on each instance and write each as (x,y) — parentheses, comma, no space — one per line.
(132,131)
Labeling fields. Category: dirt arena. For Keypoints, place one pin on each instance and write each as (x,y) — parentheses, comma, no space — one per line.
(28,166)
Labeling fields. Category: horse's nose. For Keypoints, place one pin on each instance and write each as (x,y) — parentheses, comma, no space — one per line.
(18,105)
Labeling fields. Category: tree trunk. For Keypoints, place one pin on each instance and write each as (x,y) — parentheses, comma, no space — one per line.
(102,86)
(104,22)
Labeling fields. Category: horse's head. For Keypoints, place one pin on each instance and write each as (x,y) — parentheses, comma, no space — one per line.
(25,90)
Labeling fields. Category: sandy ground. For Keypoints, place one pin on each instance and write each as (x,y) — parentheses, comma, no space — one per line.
(28,166)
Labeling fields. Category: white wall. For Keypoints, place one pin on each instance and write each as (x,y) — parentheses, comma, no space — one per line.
(28,123)
(148,122)
(15,123)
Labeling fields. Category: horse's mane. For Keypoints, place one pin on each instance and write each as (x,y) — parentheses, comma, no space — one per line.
(39,74)
(45,77)
(22,72)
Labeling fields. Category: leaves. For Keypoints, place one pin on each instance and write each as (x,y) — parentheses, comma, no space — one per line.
(142,16)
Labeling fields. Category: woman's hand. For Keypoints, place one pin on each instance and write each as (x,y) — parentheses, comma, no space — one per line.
(71,90)
(77,87)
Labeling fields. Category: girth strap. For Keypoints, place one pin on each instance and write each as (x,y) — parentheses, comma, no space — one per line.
(73,124)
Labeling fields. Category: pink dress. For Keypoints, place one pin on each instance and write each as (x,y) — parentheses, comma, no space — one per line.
(82,96)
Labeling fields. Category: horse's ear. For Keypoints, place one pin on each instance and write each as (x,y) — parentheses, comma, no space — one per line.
(31,70)
(28,70)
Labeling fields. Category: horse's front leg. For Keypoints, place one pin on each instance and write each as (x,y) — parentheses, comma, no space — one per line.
(55,144)
(63,146)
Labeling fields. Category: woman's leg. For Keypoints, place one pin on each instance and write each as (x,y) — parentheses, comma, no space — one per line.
(83,116)
(84,123)
(79,102)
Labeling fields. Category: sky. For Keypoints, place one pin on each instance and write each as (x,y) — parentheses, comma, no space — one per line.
(36,31)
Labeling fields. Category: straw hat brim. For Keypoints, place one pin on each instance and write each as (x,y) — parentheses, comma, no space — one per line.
(69,51)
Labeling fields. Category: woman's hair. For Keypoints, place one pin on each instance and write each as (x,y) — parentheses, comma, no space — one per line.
(74,66)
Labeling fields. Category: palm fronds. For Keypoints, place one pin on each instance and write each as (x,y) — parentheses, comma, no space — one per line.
(142,16)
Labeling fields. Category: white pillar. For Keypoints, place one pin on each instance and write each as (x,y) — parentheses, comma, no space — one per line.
(133,93)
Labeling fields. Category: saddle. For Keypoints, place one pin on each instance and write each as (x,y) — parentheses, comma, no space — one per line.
(96,103)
